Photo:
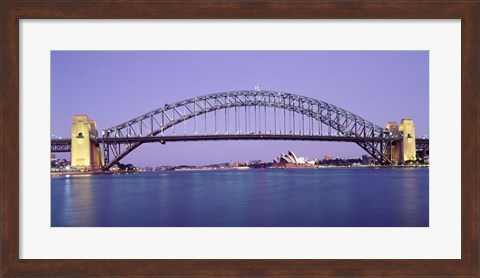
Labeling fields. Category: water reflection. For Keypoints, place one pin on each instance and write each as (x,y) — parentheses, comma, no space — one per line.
(253,198)
(412,200)
(77,202)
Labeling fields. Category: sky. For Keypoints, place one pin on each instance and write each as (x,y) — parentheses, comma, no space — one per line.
(115,86)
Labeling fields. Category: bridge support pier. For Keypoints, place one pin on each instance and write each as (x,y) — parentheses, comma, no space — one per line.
(408,148)
(404,148)
(85,155)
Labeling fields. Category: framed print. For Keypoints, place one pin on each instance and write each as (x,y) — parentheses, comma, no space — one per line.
(243,120)
(163,96)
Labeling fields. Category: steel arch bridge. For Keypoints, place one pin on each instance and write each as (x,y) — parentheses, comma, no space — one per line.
(244,115)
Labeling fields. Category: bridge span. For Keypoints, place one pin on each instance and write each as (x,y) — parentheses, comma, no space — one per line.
(241,115)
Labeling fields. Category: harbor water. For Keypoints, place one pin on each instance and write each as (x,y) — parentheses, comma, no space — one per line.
(320,197)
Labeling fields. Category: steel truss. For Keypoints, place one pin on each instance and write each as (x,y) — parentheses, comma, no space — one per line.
(60,145)
(233,109)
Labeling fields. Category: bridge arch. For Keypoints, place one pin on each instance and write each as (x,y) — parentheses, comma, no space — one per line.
(156,122)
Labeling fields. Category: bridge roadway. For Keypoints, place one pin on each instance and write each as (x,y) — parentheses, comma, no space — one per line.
(63,145)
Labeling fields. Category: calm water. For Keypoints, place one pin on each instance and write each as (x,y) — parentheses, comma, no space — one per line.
(359,197)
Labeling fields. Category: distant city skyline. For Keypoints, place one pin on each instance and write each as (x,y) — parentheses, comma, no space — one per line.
(115,86)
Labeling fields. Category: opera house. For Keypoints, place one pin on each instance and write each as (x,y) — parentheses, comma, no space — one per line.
(292,158)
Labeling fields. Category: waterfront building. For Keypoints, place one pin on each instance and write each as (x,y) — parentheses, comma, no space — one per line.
(292,158)
(367,160)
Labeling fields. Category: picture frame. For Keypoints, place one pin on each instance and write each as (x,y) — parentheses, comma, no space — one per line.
(13,11)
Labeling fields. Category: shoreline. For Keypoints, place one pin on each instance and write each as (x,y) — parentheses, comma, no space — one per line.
(90,173)
(85,173)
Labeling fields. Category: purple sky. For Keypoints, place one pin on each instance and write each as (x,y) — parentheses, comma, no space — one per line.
(116,86)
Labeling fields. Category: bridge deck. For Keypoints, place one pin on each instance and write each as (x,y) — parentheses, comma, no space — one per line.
(213,137)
